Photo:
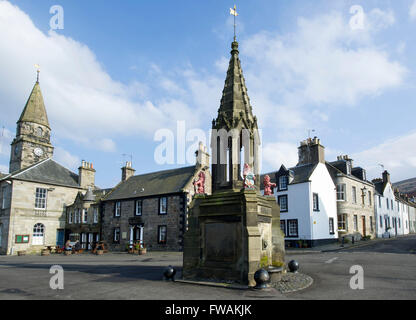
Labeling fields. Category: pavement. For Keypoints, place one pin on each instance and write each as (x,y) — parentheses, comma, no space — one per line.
(388,267)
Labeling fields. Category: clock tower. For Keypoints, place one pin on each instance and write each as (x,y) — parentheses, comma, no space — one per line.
(32,142)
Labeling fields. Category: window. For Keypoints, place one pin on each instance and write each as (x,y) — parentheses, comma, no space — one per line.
(70,217)
(331,226)
(369,198)
(162,234)
(38,234)
(283,183)
(5,199)
(379,201)
(163,205)
(292,228)
(283,226)
(354,194)
(282,200)
(39,132)
(40,201)
(341,192)
(388,204)
(371,224)
(117,211)
(342,222)
(355,223)
(315,202)
(116,235)
(139,205)
(392,205)
(84,215)
(381,222)
(400,224)
(95,215)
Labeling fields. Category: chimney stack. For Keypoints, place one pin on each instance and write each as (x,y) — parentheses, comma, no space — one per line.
(127,171)
(86,175)
(311,152)
(386,177)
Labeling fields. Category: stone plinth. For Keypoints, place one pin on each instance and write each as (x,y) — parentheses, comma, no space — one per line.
(231,234)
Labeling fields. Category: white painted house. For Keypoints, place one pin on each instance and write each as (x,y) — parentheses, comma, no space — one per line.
(307,198)
(386,208)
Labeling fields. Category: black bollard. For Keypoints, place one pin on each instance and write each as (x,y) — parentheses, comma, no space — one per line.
(293,266)
(262,278)
(170,273)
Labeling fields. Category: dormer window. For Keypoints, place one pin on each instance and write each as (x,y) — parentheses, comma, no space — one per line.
(283,182)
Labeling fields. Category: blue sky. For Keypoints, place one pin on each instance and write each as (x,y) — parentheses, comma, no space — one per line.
(120,71)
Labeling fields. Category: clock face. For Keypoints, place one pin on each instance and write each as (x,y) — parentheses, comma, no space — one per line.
(38,152)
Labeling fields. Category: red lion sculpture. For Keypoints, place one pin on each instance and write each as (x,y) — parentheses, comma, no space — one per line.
(268,186)
(200,184)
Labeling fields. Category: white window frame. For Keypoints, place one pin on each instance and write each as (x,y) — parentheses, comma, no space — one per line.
(159,234)
(41,197)
(163,211)
(285,208)
(84,216)
(290,227)
(341,190)
(70,217)
(95,215)
(315,200)
(116,235)
(354,195)
(283,183)
(137,213)
(117,209)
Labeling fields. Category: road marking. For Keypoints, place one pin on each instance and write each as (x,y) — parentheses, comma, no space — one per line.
(331,260)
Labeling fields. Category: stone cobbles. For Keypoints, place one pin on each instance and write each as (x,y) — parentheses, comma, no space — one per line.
(292,282)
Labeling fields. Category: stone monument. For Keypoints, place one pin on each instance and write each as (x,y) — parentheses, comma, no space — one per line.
(236,230)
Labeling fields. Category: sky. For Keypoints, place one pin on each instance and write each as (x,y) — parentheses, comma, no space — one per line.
(121,73)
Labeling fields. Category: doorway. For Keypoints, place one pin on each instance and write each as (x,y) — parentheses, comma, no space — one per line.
(364,227)
(38,235)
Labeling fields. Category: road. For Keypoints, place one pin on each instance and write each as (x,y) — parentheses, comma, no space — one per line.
(389,273)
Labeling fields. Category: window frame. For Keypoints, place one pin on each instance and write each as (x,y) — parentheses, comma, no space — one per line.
(84,216)
(285,181)
(159,233)
(354,194)
(70,217)
(38,199)
(331,226)
(163,213)
(343,222)
(289,234)
(115,233)
(136,207)
(284,196)
(117,208)
(95,215)
(283,223)
(342,192)
(315,196)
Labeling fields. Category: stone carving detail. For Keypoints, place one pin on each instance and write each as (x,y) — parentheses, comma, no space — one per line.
(268,186)
(249,178)
(200,183)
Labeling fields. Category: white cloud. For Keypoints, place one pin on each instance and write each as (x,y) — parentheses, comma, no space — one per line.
(379,19)
(6,137)
(65,158)
(412,11)
(106,145)
(397,155)
(276,154)
(4,168)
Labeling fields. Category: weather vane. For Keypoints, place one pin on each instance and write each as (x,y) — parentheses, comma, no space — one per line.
(38,71)
(234,13)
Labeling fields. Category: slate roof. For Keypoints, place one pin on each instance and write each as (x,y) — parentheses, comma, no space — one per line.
(35,110)
(48,172)
(152,184)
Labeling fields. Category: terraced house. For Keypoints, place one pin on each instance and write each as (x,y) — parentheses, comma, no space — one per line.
(151,209)
(354,196)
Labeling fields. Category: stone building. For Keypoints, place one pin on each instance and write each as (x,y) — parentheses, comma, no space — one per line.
(355,199)
(33,196)
(83,217)
(152,208)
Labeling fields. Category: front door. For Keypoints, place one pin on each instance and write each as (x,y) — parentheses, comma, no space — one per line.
(60,237)
(138,234)
(364,227)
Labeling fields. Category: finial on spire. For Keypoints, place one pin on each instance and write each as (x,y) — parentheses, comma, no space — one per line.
(38,71)
(234,13)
